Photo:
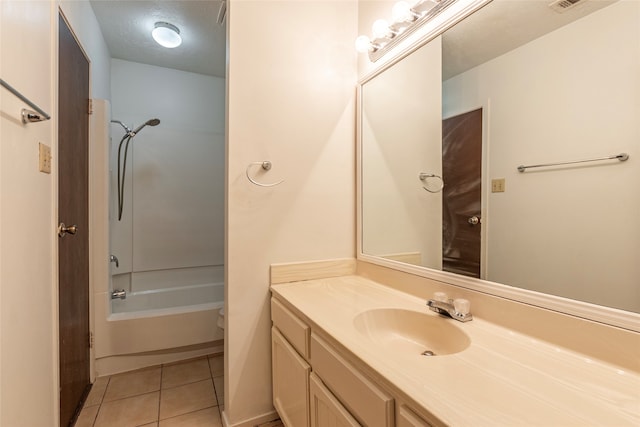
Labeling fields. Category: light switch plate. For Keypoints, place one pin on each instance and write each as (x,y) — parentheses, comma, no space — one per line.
(45,158)
(497,185)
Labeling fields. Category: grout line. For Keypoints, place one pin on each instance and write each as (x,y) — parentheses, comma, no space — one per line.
(95,420)
(186,413)
(183,384)
(160,393)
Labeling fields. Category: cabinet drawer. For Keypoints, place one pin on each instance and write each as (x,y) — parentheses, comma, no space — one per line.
(293,329)
(326,410)
(366,402)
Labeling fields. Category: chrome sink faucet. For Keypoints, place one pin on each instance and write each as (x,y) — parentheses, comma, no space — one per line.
(456,309)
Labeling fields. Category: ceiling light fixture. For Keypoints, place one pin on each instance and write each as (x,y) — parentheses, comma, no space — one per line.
(414,20)
(167,35)
(405,16)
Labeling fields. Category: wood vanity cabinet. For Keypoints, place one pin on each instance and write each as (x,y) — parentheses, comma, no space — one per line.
(314,385)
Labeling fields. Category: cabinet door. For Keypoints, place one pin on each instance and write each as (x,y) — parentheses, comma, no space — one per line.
(290,382)
(326,410)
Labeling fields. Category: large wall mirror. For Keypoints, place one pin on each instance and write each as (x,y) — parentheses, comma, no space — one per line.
(444,129)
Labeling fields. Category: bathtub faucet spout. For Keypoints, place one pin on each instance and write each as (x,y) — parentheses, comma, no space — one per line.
(119,293)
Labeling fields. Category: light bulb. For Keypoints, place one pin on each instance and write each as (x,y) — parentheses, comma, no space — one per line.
(424,6)
(166,35)
(380,29)
(402,12)
(363,44)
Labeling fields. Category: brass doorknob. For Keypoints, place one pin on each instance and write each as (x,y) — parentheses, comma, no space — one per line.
(63,229)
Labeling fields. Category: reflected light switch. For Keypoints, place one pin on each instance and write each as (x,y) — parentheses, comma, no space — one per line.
(497,185)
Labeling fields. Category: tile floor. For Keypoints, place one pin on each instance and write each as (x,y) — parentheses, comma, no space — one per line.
(186,394)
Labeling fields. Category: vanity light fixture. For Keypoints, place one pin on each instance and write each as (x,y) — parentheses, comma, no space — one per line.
(406,19)
(166,35)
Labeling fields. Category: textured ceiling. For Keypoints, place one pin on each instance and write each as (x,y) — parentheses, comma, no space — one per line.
(501,26)
(126,27)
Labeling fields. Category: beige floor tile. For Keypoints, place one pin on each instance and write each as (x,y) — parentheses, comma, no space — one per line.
(218,383)
(87,416)
(216,363)
(185,373)
(133,383)
(186,398)
(205,418)
(97,392)
(129,412)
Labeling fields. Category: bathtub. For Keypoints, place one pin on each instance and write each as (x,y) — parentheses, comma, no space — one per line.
(161,302)
(154,326)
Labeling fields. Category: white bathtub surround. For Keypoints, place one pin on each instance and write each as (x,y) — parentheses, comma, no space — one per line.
(502,378)
(173,213)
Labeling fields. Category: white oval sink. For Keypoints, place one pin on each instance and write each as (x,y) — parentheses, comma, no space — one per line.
(411,332)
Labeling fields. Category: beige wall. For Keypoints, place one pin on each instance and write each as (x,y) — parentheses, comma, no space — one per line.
(28,208)
(28,297)
(291,95)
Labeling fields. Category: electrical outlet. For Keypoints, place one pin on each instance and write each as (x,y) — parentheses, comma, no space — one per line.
(497,185)
(45,158)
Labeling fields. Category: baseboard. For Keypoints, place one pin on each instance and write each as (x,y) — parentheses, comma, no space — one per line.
(252,422)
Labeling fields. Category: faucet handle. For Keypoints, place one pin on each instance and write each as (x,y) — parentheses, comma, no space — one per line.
(462,306)
(440,296)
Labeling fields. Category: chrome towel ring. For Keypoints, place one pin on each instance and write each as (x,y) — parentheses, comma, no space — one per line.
(266,165)
(424,176)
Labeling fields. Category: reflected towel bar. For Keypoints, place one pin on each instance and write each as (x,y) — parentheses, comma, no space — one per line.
(622,157)
(28,116)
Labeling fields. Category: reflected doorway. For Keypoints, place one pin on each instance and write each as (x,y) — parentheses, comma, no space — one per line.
(462,194)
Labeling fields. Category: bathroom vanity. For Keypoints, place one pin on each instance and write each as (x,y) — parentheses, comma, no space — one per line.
(347,351)
(555,333)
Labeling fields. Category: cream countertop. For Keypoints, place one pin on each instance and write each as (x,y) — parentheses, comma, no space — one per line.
(502,378)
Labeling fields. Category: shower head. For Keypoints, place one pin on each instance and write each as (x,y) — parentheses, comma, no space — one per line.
(151,122)
(126,128)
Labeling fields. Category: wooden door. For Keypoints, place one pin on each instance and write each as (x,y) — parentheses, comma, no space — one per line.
(461,199)
(73,196)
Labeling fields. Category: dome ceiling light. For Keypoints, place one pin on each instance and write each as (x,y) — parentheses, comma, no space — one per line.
(167,35)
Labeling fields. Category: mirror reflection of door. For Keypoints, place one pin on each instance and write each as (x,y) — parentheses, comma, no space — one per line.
(461,198)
